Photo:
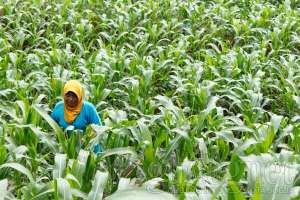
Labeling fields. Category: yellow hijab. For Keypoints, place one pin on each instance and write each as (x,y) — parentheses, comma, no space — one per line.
(70,114)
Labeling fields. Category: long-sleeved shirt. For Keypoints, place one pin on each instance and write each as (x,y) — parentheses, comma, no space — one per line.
(88,115)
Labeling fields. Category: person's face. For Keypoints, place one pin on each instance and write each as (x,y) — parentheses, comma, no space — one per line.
(71,99)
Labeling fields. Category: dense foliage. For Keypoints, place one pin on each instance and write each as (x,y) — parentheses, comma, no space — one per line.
(200,99)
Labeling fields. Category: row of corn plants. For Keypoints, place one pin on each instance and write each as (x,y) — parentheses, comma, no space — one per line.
(199,99)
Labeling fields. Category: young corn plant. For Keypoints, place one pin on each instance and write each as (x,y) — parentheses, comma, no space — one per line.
(198,99)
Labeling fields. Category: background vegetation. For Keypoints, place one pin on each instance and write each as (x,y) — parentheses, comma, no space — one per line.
(199,99)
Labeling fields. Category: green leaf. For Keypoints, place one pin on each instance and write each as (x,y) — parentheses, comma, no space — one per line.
(3,154)
(59,132)
(48,118)
(20,168)
(13,58)
(211,105)
(275,121)
(217,187)
(42,194)
(3,188)
(60,165)
(98,186)
(73,180)
(45,139)
(118,151)
(180,179)
(200,194)
(126,183)
(256,194)
(63,190)
(236,168)
(173,145)
(203,150)
(141,193)
(79,165)
(78,193)
(153,183)
(234,192)
(117,116)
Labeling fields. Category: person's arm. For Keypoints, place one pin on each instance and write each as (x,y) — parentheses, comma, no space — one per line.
(54,115)
(93,116)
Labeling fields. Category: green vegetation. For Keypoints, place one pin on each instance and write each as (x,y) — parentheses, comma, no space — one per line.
(200,99)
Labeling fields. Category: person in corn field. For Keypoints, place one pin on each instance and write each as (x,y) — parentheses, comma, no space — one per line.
(75,111)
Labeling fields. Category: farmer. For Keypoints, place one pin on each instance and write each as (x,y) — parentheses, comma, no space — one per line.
(75,111)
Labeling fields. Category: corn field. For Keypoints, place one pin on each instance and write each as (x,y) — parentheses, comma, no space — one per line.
(199,99)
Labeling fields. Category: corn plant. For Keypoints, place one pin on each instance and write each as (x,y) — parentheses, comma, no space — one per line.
(198,99)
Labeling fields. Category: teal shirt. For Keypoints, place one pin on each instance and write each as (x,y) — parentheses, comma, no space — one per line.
(88,115)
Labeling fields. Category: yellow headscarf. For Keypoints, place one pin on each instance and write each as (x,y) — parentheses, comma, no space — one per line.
(70,114)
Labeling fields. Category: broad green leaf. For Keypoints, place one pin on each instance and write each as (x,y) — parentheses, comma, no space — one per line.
(153,183)
(3,188)
(98,186)
(13,58)
(59,132)
(117,116)
(236,168)
(180,179)
(78,193)
(203,150)
(20,168)
(234,192)
(217,187)
(50,121)
(257,191)
(126,183)
(39,196)
(6,92)
(173,145)
(3,154)
(79,165)
(191,195)
(211,105)
(99,130)
(60,165)
(63,189)
(118,151)
(199,194)
(140,193)
(72,179)
(245,145)
(45,139)
(10,112)
(144,131)
(275,121)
